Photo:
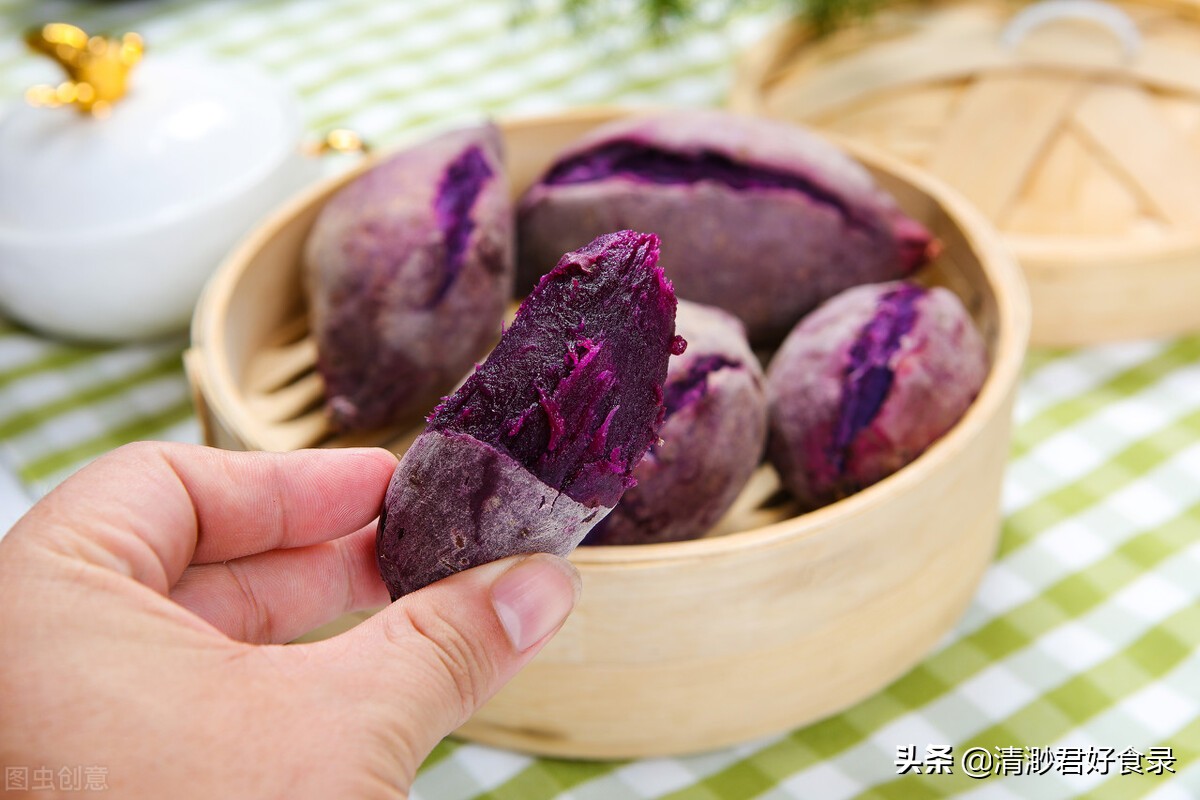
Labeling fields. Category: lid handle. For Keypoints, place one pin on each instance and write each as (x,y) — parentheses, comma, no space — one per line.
(97,67)
(338,140)
(1108,16)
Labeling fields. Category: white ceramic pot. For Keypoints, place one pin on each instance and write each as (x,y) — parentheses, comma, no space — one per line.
(109,227)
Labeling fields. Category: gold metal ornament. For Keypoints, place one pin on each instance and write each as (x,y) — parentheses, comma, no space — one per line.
(97,67)
(338,140)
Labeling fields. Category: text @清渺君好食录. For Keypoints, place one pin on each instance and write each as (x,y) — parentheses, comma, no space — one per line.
(982,762)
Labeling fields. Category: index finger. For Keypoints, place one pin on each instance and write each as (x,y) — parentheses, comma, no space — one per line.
(156,507)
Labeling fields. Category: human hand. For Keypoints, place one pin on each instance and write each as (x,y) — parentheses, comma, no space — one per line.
(143,605)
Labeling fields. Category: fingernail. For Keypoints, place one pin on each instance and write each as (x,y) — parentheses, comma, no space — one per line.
(533,597)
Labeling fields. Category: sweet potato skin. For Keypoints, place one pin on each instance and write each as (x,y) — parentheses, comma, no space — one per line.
(767,254)
(433,527)
(407,278)
(710,443)
(928,381)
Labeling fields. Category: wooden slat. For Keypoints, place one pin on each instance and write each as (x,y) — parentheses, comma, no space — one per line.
(1136,138)
(276,367)
(906,123)
(748,510)
(815,86)
(294,434)
(1002,124)
(1072,193)
(1183,113)
(1166,68)
(879,70)
(289,401)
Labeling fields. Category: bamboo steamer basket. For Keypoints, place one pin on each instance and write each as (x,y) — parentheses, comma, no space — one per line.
(1080,143)
(687,646)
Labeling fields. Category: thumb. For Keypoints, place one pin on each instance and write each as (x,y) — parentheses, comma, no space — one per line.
(433,657)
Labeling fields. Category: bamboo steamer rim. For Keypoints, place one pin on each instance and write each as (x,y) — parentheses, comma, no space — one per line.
(1005,279)
(1071,256)
(756,69)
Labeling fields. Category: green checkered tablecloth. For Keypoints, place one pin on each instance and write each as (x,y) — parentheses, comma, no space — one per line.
(1082,642)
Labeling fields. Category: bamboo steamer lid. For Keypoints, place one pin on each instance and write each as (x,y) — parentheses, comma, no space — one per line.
(1074,125)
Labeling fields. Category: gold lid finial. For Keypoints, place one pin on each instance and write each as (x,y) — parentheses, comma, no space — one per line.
(97,67)
(338,140)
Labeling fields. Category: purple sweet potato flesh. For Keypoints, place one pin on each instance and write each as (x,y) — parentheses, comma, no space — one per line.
(569,389)
(759,217)
(641,161)
(540,442)
(692,384)
(460,187)
(711,441)
(866,383)
(869,373)
(408,269)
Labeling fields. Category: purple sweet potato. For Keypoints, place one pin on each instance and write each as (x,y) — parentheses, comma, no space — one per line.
(759,217)
(409,268)
(866,383)
(710,442)
(542,439)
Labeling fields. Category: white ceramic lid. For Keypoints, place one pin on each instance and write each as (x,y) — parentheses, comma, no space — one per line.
(110,225)
(187,134)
